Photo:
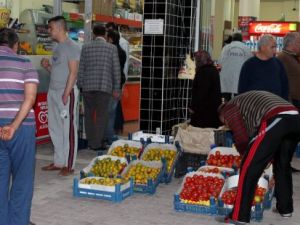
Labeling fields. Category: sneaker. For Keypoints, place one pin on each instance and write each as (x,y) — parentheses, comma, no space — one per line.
(284,215)
(227,220)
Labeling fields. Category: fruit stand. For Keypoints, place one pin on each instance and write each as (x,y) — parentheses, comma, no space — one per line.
(131,166)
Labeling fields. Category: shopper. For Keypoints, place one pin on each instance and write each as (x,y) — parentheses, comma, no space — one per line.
(264,71)
(206,93)
(231,60)
(124,45)
(99,78)
(289,58)
(116,120)
(265,127)
(18,84)
(62,97)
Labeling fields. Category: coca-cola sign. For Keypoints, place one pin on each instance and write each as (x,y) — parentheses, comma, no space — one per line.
(258,28)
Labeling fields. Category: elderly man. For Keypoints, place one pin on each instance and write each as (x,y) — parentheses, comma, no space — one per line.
(289,58)
(265,127)
(264,71)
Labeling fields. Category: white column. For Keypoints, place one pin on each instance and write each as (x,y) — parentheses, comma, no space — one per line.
(218,27)
(249,8)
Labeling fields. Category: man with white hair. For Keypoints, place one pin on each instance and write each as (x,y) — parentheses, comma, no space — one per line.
(264,71)
(290,60)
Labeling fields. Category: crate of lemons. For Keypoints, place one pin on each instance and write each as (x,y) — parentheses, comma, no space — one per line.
(126,148)
(101,179)
(168,153)
(146,175)
(104,166)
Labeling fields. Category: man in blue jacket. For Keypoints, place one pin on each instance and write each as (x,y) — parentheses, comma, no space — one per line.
(264,71)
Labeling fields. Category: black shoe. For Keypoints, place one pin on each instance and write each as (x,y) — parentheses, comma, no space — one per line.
(294,170)
(227,220)
(31,223)
(284,215)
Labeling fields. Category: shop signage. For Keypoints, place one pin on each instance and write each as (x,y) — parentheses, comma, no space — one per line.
(41,115)
(271,28)
(154,26)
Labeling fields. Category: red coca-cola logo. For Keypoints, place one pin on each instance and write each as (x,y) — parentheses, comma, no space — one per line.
(272,28)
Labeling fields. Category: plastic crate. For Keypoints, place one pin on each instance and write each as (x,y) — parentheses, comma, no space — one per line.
(151,185)
(199,209)
(180,205)
(115,194)
(150,138)
(223,138)
(130,143)
(86,172)
(256,212)
(167,176)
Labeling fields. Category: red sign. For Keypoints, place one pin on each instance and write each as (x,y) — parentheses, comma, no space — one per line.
(279,29)
(41,116)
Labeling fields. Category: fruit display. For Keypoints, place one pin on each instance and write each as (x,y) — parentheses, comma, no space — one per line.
(107,167)
(198,188)
(124,150)
(216,170)
(229,196)
(141,172)
(156,154)
(103,181)
(224,160)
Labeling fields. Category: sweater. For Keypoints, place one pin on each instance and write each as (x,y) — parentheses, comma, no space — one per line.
(245,113)
(265,75)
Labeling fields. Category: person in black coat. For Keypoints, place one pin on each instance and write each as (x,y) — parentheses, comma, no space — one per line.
(113,37)
(206,92)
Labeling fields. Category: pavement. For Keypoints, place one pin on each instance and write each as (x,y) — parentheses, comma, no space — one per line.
(54,204)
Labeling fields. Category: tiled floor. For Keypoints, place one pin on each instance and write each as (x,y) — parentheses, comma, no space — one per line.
(53,203)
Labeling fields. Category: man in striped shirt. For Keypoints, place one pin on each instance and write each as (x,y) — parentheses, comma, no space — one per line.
(18,88)
(265,127)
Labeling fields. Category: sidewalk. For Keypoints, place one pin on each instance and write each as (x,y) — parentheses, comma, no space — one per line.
(53,203)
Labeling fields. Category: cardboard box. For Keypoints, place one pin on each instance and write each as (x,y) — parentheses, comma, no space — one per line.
(101,7)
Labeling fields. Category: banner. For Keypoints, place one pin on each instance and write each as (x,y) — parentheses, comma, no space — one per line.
(41,116)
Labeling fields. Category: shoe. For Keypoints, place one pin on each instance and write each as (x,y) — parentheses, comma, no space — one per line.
(284,215)
(51,167)
(227,220)
(31,223)
(65,172)
(294,170)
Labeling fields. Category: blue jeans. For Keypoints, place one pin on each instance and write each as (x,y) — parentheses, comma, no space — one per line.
(17,161)
(110,128)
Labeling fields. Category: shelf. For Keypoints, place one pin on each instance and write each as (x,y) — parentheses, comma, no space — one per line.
(101,18)
(120,21)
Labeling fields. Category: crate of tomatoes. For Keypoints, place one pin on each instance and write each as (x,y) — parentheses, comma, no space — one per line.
(224,157)
(228,195)
(199,193)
